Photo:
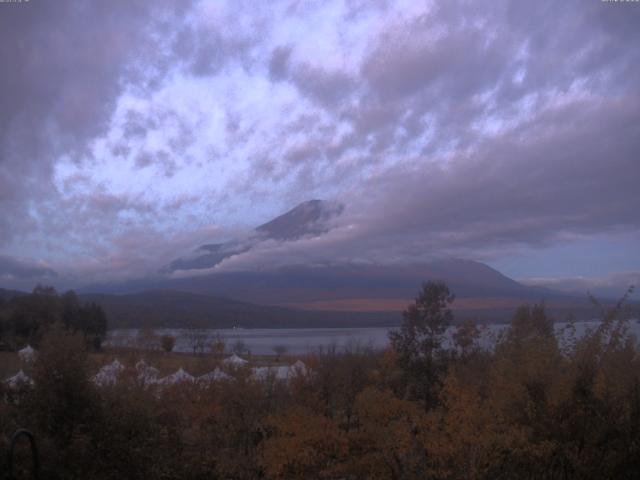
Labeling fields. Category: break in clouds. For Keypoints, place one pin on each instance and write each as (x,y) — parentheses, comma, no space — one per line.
(131,133)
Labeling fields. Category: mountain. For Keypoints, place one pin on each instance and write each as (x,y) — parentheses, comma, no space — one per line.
(303,284)
(306,294)
(308,286)
(481,292)
(330,286)
(329,294)
(307,219)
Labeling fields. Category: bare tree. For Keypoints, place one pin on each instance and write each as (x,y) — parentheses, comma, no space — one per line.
(239,346)
(197,338)
(218,345)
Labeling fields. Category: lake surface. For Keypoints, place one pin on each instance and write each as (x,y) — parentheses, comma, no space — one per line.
(300,341)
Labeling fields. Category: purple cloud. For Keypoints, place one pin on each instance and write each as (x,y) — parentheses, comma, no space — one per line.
(132,131)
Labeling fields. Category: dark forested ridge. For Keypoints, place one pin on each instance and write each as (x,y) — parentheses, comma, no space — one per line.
(180,309)
(170,308)
(175,309)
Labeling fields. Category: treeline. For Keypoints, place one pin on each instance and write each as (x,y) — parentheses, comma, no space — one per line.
(26,319)
(534,407)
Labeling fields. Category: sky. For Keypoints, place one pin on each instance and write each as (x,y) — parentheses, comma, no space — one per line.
(505,132)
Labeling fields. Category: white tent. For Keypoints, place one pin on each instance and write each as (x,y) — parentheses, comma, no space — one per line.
(298,368)
(277,373)
(177,377)
(146,373)
(235,361)
(214,376)
(27,353)
(280,373)
(18,380)
(108,375)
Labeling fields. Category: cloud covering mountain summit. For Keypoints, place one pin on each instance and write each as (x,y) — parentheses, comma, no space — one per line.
(309,219)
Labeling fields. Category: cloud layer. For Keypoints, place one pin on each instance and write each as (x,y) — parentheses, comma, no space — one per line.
(133,132)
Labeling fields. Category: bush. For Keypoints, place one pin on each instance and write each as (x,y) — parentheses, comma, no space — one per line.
(167,342)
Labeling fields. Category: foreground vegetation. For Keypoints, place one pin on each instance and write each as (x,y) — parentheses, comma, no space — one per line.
(533,407)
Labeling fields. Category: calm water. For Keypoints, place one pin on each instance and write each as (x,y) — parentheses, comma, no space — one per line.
(301,340)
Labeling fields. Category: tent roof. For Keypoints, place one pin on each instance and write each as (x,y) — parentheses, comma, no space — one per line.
(18,379)
(179,376)
(234,360)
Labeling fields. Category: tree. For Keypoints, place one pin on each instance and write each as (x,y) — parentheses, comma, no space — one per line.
(465,337)
(418,343)
(302,444)
(94,325)
(279,350)
(197,338)
(531,322)
(32,316)
(63,402)
(218,345)
(389,440)
(167,342)
(239,347)
(4,326)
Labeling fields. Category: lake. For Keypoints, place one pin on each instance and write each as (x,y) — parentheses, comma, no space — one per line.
(300,341)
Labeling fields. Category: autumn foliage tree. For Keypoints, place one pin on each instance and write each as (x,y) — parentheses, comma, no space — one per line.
(301,445)
(419,342)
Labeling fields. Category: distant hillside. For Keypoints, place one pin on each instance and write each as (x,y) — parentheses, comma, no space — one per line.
(304,285)
(179,309)
(175,309)
(7,294)
(165,308)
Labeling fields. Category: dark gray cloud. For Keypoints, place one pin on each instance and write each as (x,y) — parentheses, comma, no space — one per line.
(608,286)
(571,171)
(531,185)
(16,269)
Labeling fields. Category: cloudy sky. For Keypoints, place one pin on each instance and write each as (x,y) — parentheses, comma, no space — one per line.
(506,132)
